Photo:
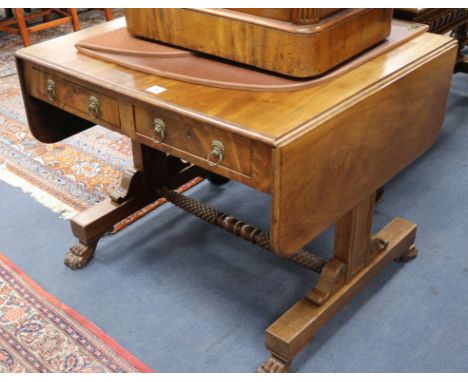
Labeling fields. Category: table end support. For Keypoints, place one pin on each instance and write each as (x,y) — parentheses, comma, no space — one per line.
(294,330)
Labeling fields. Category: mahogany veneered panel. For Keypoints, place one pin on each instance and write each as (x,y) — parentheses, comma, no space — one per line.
(333,166)
(76,98)
(195,138)
(271,44)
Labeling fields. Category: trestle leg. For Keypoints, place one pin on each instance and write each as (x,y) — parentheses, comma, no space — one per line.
(137,189)
(358,257)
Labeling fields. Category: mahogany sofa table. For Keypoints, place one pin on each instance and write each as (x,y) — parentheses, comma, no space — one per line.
(321,153)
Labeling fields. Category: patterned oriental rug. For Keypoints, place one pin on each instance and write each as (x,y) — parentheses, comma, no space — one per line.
(9,43)
(40,334)
(72,175)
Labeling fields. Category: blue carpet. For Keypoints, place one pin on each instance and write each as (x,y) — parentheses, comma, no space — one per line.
(185,296)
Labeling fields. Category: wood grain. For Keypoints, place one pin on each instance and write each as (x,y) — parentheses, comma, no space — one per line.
(295,53)
(321,152)
(302,16)
(335,142)
(353,234)
(271,118)
(195,138)
(75,98)
(339,162)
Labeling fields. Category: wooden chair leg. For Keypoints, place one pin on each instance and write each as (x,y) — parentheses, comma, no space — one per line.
(108,14)
(75,21)
(23,30)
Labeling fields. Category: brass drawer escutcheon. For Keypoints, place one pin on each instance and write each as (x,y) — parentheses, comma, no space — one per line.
(93,108)
(51,87)
(217,151)
(159,130)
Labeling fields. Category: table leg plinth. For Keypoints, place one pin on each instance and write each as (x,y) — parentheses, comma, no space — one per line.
(291,332)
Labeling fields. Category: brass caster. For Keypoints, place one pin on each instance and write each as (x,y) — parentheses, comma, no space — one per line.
(80,255)
(274,365)
(410,255)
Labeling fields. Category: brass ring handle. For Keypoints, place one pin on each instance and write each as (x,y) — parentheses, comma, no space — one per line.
(51,89)
(159,130)
(217,150)
(93,107)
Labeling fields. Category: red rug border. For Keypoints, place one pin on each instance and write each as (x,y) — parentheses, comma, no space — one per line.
(98,332)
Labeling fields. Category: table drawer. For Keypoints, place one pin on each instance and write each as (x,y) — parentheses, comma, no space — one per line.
(76,99)
(212,146)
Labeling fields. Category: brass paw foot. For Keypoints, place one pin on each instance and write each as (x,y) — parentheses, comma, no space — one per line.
(410,255)
(274,365)
(80,255)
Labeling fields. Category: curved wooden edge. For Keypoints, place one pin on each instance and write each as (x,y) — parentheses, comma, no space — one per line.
(331,279)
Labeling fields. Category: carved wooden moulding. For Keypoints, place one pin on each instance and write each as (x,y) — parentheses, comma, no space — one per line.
(296,42)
